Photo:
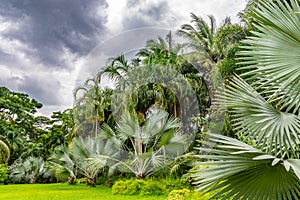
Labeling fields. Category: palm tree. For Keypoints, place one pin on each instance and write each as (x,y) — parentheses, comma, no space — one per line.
(266,111)
(161,51)
(116,69)
(144,148)
(93,105)
(73,161)
(213,43)
(160,56)
(202,36)
(30,170)
(15,141)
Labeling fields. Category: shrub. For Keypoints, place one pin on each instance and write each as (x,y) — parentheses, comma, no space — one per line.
(138,187)
(148,187)
(131,186)
(175,184)
(119,187)
(182,194)
(30,170)
(186,194)
(109,181)
(81,180)
(135,187)
(3,173)
(153,188)
(61,174)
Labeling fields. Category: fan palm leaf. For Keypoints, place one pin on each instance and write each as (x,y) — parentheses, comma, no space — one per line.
(244,172)
(272,129)
(273,54)
(265,108)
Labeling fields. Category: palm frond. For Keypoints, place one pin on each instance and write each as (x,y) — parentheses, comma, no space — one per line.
(273,53)
(273,130)
(243,172)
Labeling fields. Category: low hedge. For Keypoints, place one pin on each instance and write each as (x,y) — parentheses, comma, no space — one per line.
(148,187)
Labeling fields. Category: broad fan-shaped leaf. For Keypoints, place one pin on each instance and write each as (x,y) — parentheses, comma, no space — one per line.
(276,131)
(273,54)
(237,172)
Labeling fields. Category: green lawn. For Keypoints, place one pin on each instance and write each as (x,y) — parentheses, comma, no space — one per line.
(64,192)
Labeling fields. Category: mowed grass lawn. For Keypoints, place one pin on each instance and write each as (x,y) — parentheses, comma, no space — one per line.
(64,192)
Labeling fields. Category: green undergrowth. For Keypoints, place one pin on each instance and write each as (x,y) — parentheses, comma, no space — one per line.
(175,189)
(148,187)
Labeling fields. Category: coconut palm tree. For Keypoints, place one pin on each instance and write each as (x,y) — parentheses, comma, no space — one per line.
(159,56)
(266,111)
(202,36)
(161,51)
(213,43)
(116,68)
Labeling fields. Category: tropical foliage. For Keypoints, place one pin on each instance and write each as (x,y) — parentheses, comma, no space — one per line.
(265,109)
(144,149)
(157,116)
(30,170)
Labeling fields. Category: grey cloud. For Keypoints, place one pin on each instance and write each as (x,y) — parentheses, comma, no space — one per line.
(127,43)
(40,38)
(45,89)
(49,26)
(156,12)
(147,13)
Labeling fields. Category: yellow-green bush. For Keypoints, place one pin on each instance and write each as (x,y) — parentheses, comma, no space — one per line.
(185,194)
(139,187)
(182,194)
(3,173)
(119,187)
(153,188)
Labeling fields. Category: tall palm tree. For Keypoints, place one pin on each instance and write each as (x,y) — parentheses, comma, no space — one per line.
(212,41)
(201,36)
(266,111)
(116,69)
(159,56)
(161,51)
(93,105)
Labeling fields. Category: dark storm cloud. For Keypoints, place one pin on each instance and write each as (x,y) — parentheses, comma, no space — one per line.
(49,27)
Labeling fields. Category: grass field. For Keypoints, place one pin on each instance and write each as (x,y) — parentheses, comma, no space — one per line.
(64,192)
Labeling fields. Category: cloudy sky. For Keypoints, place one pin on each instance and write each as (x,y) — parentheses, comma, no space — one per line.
(45,44)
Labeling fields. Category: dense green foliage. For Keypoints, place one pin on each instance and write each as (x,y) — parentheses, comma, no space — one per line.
(25,134)
(30,170)
(17,122)
(148,187)
(3,173)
